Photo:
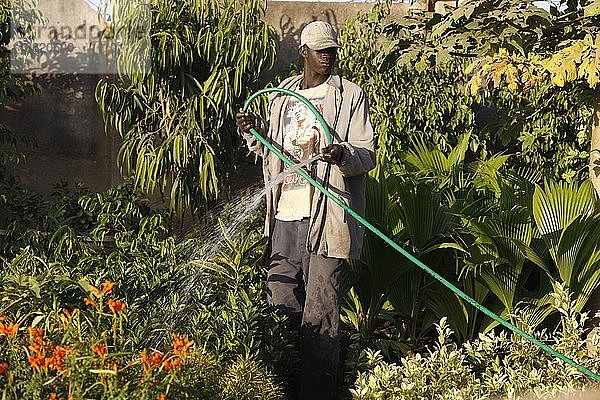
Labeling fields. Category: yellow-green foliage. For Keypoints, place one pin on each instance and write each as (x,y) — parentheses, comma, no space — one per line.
(492,366)
(579,60)
(244,379)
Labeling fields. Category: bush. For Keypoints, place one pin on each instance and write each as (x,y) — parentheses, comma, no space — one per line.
(102,283)
(82,353)
(413,98)
(493,365)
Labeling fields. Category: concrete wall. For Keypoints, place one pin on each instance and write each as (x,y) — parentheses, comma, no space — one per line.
(70,142)
(65,122)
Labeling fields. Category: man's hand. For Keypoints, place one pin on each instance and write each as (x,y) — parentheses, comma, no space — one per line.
(332,154)
(244,121)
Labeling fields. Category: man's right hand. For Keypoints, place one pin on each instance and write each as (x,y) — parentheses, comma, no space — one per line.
(244,121)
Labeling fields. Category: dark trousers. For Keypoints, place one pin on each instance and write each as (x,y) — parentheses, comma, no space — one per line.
(307,287)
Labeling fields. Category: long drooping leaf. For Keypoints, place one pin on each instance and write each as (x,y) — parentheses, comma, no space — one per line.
(426,161)
(486,173)
(179,85)
(433,164)
(424,218)
(444,303)
(503,281)
(577,257)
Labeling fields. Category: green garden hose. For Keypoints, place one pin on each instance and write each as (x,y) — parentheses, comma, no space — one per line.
(389,241)
(303,99)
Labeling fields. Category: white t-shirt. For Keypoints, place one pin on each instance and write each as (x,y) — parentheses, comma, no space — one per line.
(301,137)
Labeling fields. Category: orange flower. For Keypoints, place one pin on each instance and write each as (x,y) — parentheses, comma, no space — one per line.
(54,396)
(36,334)
(162,397)
(3,368)
(58,358)
(69,314)
(38,345)
(9,330)
(101,350)
(181,345)
(107,287)
(37,359)
(172,363)
(39,362)
(151,362)
(89,302)
(116,306)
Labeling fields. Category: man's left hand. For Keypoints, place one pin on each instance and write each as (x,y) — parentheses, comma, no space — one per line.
(332,154)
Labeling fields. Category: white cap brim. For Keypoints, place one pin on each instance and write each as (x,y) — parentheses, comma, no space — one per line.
(323,44)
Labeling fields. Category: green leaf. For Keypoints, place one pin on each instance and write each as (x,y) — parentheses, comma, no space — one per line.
(556,205)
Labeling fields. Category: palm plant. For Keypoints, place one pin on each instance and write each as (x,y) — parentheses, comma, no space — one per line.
(429,231)
(568,222)
(367,280)
(552,228)
(433,225)
(410,208)
(498,255)
(497,233)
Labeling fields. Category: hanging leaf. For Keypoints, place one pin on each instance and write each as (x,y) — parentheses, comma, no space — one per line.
(174,116)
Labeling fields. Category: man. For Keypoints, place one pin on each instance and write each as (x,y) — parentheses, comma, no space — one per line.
(310,235)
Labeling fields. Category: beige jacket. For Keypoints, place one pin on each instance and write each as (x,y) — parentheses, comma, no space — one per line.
(333,232)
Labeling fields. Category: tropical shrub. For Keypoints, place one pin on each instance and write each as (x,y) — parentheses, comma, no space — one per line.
(460,178)
(419,90)
(176,113)
(406,103)
(109,263)
(505,237)
(548,55)
(491,366)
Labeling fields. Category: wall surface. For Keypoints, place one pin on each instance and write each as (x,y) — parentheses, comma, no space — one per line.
(65,122)
(70,142)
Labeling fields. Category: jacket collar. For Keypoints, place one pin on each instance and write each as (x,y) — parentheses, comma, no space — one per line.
(334,80)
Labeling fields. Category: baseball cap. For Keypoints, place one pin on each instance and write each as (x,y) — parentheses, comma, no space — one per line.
(319,35)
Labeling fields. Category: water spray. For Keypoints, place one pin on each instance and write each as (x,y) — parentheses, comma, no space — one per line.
(389,241)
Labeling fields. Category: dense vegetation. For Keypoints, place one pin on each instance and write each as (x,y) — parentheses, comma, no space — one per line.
(180,83)
(478,180)
(99,299)
(489,188)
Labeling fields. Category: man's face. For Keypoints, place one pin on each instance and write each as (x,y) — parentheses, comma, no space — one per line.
(320,61)
(300,112)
